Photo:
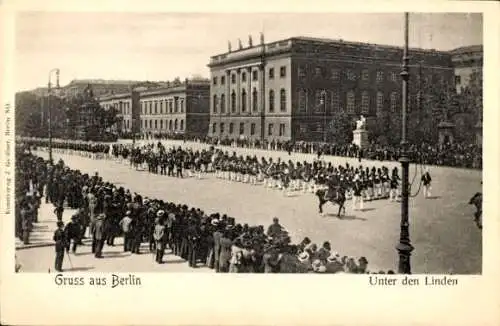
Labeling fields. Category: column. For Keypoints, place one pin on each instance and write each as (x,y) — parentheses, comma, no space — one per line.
(249,90)
(228,91)
(238,92)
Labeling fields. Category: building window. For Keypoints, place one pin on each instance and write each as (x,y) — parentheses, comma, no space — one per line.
(394,76)
(270,129)
(252,129)
(170,125)
(150,107)
(351,102)
(271,73)
(182,105)
(320,101)
(335,74)
(156,124)
(243,100)
(223,103)
(380,76)
(255,75)
(170,106)
(365,103)
(176,104)
(223,80)
(182,124)
(231,127)
(282,71)
(176,124)
(222,128)
(243,76)
(335,102)
(458,80)
(271,100)
(215,103)
(214,128)
(215,80)
(350,75)
(233,79)
(301,71)
(156,107)
(254,100)
(233,101)
(302,100)
(317,72)
(380,103)
(282,129)
(242,128)
(394,101)
(365,75)
(161,107)
(150,124)
(282,100)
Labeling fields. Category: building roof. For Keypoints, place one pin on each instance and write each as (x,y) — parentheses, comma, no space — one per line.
(467,49)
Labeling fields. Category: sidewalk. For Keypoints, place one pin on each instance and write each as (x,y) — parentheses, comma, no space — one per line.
(42,233)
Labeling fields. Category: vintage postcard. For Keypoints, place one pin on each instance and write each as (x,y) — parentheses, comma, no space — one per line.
(157,159)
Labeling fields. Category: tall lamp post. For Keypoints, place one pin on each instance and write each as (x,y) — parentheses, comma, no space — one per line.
(404,247)
(56,70)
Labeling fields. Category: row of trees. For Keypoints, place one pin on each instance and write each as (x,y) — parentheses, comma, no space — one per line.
(66,115)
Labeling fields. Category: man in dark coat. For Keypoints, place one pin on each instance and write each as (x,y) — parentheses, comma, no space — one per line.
(72,232)
(60,240)
(98,236)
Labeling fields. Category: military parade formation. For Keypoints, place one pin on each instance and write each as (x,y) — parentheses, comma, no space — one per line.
(105,211)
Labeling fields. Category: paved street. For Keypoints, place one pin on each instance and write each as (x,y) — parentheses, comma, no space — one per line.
(442,229)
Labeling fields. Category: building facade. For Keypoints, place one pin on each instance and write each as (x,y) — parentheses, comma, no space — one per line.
(293,89)
(180,108)
(467,61)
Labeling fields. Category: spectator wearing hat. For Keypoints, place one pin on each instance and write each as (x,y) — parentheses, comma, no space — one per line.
(72,231)
(334,263)
(362,265)
(159,237)
(126,227)
(60,240)
(213,261)
(274,229)
(303,244)
(98,233)
(324,252)
(305,260)
(357,194)
(225,251)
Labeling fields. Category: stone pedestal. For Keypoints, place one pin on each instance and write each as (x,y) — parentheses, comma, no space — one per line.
(446,132)
(360,138)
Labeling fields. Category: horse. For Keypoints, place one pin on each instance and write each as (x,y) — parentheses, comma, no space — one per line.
(338,198)
(477,200)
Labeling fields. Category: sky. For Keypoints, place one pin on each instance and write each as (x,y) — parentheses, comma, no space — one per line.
(162,46)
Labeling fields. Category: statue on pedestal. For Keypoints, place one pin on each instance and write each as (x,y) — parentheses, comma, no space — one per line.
(240,45)
(229,46)
(250,43)
(361,123)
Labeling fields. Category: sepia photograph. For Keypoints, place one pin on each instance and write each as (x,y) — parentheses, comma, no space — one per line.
(318,143)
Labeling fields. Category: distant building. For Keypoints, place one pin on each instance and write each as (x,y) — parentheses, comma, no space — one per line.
(180,107)
(291,89)
(466,61)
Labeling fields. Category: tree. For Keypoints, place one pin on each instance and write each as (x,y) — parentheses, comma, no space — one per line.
(339,130)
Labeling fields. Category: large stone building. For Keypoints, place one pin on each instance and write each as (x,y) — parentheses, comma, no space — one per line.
(292,89)
(467,61)
(178,107)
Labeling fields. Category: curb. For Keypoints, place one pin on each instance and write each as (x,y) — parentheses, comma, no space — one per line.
(35,245)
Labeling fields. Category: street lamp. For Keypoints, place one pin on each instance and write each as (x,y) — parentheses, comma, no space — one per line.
(404,246)
(56,70)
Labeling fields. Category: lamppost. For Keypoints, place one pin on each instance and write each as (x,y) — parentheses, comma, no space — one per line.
(404,247)
(323,102)
(56,70)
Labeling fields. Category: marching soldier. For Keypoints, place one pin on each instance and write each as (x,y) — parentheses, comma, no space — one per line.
(426,181)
